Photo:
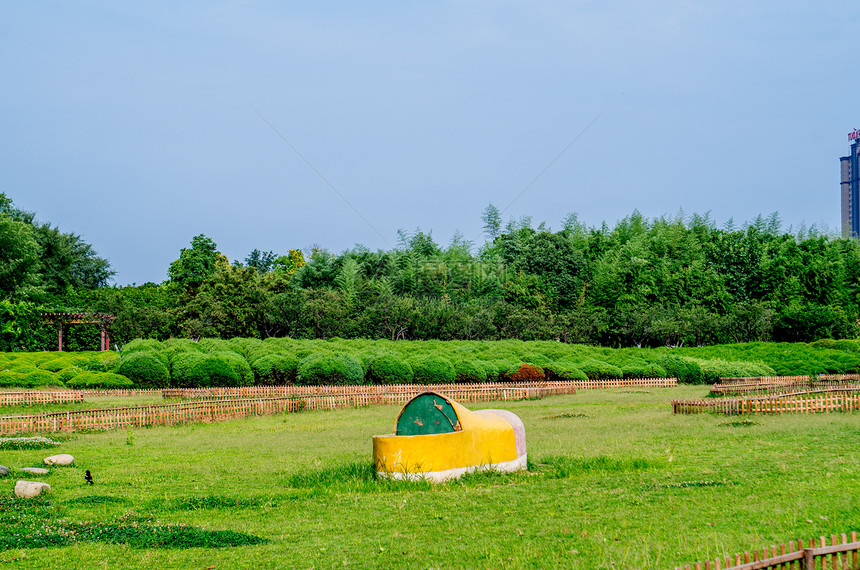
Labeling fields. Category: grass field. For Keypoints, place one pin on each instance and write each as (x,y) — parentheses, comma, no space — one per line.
(617,481)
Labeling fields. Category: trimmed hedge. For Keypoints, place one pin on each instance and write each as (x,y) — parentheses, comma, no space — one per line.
(239,365)
(330,369)
(432,369)
(139,344)
(564,370)
(389,369)
(100,381)
(642,369)
(274,369)
(469,372)
(189,372)
(492,370)
(685,369)
(55,364)
(10,378)
(38,378)
(599,370)
(145,369)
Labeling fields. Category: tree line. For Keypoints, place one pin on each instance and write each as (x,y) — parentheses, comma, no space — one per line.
(668,281)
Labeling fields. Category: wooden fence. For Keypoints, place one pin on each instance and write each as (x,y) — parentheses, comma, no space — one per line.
(735,386)
(840,554)
(759,379)
(547,387)
(217,409)
(119,392)
(825,400)
(781,388)
(31,397)
(136,416)
(626,383)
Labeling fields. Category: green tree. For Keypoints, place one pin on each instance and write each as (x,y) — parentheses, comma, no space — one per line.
(69,262)
(492,219)
(19,260)
(195,264)
(19,325)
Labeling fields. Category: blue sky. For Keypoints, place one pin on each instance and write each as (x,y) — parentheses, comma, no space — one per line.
(138,125)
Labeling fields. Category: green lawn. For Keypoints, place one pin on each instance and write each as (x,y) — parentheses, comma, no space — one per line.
(617,482)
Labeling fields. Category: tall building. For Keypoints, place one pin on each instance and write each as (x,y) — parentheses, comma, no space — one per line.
(850,166)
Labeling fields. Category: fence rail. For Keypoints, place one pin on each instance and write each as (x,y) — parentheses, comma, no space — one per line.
(824,400)
(218,409)
(840,554)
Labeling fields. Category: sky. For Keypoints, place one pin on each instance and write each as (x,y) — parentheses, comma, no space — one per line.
(287,125)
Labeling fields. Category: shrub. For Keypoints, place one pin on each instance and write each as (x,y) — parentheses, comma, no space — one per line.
(469,372)
(197,370)
(642,369)
(244,346)
(525,372)
(54,365)
(432,369)
(491,371)
(174,342)
(263,350)
(181,346)
(141,344)
(239,365)
(9,378)
(100,381)
(685,369)
(38,378)
(599,370)
(566,371)
(218,371)
(337,368)
(389,369)
(22,367)
(715,369)
(537,359)
(275,369)
(98,363)
(214,345)
(187,370)
(145,369)
(67,374)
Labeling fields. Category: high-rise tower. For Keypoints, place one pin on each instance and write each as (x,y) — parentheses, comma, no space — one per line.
(850,167)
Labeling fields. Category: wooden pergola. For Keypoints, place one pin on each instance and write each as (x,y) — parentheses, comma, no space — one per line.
(63,319)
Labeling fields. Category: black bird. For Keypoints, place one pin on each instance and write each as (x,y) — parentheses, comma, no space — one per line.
(88,477)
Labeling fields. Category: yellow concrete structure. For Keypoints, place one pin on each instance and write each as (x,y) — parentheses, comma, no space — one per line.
(469,440)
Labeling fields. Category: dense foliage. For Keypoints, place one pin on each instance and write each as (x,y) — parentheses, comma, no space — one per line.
(671,281)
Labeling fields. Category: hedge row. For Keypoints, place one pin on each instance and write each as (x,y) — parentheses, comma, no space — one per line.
(240,362)
(86,370)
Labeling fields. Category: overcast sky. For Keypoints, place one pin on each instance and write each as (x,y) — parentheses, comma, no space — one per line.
(139,125)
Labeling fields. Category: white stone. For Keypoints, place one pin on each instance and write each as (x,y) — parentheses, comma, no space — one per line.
(34,470)
(30,489)
(61,459)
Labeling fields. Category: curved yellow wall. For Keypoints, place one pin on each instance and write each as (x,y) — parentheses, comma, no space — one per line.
(486,440)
